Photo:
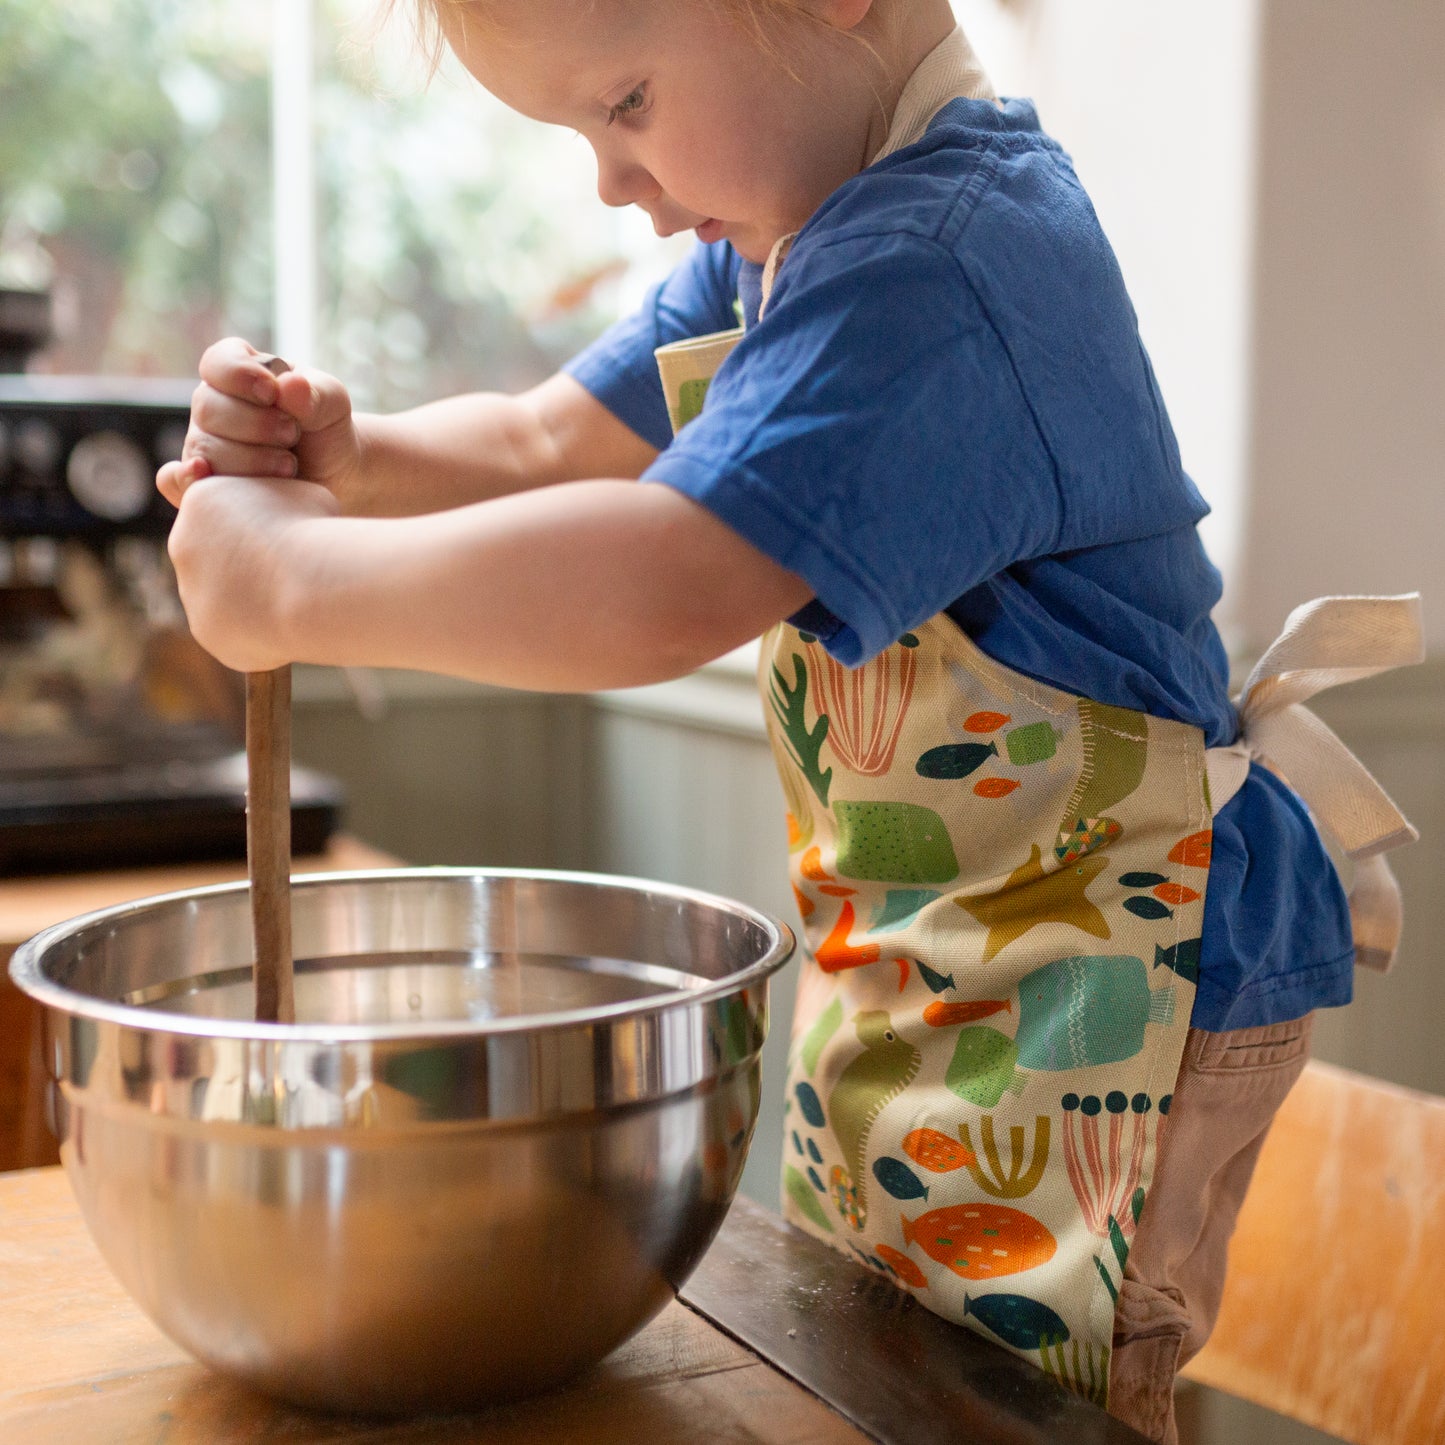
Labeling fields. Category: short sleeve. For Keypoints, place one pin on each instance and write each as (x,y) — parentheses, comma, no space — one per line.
(870,435)
(619,368)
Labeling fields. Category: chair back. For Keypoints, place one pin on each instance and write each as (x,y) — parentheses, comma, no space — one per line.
(1334,1306)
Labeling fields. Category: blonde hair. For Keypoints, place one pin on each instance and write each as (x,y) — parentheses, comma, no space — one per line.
(430,27)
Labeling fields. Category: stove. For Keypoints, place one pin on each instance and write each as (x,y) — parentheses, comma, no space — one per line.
(121,740)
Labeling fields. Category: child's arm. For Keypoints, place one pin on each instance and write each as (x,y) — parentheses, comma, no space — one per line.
(247,422)
(578,586)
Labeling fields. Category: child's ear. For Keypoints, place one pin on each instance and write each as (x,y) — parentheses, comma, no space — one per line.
(840,14)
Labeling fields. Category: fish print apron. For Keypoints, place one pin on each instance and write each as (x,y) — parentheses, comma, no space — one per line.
(1002,891)
(1002,887)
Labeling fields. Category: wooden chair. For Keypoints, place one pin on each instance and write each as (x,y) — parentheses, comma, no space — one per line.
(1334,1307)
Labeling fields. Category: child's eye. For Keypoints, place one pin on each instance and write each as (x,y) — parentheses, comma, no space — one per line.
(633,103)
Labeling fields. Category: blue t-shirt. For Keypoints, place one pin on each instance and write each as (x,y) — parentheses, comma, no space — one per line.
(947,407)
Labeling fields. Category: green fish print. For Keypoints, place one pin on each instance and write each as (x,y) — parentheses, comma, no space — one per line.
(983,1065)
(887,1065)
(1032,743)
(804,1199)
(1114,757)
(893,843)
(1075,1013)
(821,1030)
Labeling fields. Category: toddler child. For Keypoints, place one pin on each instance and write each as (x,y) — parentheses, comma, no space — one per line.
(1064,936)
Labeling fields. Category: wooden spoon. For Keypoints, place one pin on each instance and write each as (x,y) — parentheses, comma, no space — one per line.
(268,839)
(268,829)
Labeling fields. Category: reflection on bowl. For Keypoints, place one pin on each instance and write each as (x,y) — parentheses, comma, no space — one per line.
(508,1121)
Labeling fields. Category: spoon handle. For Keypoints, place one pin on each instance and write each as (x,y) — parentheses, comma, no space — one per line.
(268,839)
(268,828)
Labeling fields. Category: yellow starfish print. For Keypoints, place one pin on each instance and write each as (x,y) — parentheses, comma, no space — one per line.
(1030,896)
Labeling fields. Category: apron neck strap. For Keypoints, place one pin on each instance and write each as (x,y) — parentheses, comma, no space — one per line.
(950,71)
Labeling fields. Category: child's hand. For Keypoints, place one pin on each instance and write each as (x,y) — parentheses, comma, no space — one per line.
(236,545)
(247,422)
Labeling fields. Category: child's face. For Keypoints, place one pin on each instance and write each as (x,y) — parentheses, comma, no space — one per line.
(689,117)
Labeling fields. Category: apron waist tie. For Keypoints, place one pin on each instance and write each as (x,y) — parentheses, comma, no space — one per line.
(1330,641)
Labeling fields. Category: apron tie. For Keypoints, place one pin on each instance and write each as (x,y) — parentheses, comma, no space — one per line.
(1330,641)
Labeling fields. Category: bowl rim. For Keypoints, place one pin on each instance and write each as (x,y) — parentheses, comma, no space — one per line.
(27,975)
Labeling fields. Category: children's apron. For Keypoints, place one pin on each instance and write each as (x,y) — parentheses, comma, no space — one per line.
(1002,889)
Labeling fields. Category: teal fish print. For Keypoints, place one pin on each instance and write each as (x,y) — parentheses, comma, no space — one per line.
(898,1179)
(810,1104)
(901,906)
(1147,908)
(1182,958)
(954,760)
(1075,1013)
(1024,1323)
(936,981)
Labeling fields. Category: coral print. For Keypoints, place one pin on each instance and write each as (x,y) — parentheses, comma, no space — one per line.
(865,705)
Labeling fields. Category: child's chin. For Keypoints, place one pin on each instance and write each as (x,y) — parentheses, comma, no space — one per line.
(751,250)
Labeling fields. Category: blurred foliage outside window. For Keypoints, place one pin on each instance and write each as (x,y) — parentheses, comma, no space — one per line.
(460,246)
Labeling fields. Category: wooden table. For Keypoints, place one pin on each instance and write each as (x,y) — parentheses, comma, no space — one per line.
(772,1326)
(29,904)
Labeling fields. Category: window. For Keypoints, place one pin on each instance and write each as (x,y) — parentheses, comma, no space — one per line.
(430,241)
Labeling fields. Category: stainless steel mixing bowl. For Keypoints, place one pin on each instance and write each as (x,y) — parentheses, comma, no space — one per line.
(508,1121)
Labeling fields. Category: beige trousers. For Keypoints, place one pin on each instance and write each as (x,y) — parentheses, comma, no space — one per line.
(1230,1087)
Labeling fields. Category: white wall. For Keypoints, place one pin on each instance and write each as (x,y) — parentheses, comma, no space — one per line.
(1347,457)
(1272,176)
(1156,104)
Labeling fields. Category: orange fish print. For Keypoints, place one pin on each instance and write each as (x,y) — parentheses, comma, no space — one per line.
(835,953)
(1175,893)
(806,906)
(985,722)
(902,1266)
(810,865)
(936,1152)
(1193,851)
(995,787)
(941,1014)
(981,1241)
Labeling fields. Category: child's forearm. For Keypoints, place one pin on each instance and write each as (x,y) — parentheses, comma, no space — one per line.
(472,448)
(575,587)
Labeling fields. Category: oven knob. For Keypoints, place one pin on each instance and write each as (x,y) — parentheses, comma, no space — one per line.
(36,446)
(108,474)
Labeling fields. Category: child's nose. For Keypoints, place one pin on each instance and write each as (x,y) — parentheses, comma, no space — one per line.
(622,182)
